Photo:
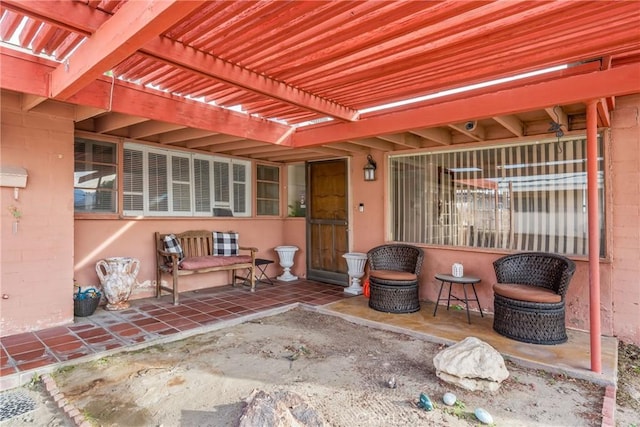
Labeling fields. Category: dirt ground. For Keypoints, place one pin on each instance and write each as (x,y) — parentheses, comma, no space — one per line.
(340,368)
(628,393)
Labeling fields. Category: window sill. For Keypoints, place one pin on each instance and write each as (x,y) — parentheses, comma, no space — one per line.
(83,216)
(501,252)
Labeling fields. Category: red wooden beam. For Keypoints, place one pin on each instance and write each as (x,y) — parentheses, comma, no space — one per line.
(22,72)
(621,80)
(68,15)
(77,17)
(25,73)
(210,66)
(119,37)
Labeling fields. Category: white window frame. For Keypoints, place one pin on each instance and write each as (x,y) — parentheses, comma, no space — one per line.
(170,154)
(88,191)
(263,198)
(524,195)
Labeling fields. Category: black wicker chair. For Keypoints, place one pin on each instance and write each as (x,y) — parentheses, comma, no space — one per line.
(393,278)
(529,298)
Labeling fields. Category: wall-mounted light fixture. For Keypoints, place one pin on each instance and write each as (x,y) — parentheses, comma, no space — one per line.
(370,169)
(557,128)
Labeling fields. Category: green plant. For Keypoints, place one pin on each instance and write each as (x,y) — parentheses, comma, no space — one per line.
(458,409)
(15,212)
(63,370)
(297,210)
(149,349)
(103,361)
(91,419)
(35,380)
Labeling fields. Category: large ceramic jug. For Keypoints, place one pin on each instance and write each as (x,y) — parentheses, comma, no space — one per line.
(117,275)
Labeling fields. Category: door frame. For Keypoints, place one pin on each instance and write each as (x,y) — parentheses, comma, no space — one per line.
(328,276)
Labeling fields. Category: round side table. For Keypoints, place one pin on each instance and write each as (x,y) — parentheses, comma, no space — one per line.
(464,280)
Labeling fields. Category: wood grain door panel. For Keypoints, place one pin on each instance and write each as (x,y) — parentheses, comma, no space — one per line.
(327,221)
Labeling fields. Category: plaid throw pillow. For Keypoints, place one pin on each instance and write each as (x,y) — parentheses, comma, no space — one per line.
(225,244)
(171,244)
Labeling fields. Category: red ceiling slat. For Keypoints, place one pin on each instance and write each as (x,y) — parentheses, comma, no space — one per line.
(204,87)
(479,54)
(43,37)
(287,30)
(299,118)
(132,66)
(185,84)
(357,54)
(111,6)
(221,93)
(196,26)
(236,24)
(278,111)
(414,46)
(55,41)
(357,46)
(10,22)
(235,97)
(208,89)
(348,35)
(628,57)
(70,43)
(29,31)
(150,77)
(170,79)
(71,16)
(216,25)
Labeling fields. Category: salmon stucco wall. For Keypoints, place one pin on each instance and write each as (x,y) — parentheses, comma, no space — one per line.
(367,227)
(50,248)
(625,221)
(36,278)
(480,264)
(293,234)
(99,239)
(619,272)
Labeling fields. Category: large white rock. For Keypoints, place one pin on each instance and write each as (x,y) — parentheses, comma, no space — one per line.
(471,364)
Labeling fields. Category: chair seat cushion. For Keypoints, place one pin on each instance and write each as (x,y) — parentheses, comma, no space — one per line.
(393,275)
(526,293)
(200,262)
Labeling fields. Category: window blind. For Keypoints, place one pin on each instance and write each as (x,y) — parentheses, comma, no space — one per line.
(528,197)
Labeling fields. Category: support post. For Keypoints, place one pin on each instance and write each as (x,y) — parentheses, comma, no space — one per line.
(594,236)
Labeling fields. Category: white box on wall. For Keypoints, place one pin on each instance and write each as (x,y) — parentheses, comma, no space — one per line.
(13,176)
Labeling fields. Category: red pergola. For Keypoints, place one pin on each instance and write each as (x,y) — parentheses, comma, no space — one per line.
(240,77)
(286,63)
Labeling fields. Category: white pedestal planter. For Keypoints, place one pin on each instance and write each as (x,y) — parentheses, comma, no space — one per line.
(286,254)
(355,263)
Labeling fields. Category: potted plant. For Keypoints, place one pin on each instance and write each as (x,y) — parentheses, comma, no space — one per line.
(85,302)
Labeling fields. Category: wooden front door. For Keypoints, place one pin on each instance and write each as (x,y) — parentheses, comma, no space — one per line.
(327,221)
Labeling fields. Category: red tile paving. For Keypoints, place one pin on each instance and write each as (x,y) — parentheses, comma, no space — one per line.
(152,319)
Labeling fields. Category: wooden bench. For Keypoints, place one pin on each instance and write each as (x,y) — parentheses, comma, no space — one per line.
(198,249)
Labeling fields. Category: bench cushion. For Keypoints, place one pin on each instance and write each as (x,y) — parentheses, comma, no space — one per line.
(200,262)
(526,293)
(172,245)
(393,275)
(225,244)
